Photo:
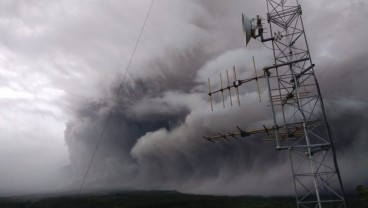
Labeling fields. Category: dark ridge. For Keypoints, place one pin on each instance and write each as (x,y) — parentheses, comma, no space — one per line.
(161,199)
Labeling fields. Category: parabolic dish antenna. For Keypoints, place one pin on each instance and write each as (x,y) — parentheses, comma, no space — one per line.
(247,28)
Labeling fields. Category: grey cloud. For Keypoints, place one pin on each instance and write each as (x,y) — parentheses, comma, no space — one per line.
(177,158)
(154,137)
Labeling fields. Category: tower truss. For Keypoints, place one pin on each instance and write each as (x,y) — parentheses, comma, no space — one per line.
(295,96)
(299,120)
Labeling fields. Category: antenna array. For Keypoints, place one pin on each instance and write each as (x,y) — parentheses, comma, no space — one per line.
(235,85)
(299,120)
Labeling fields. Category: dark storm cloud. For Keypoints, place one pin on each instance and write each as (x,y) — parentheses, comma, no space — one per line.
(170,100)
(157,137)
(154,137)
(175,157)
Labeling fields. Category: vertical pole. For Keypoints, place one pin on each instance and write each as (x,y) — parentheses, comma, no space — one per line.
(331,140)
(310,156)
(273,110)
(293,172)
(325,118)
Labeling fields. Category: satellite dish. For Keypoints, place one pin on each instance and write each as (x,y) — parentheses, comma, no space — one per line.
(247,28)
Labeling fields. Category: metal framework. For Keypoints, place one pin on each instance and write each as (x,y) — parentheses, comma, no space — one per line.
(299,120)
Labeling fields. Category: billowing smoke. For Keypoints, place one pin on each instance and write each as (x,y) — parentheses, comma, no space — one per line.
(153,139)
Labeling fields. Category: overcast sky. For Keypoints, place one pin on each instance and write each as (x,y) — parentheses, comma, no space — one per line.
(61,63)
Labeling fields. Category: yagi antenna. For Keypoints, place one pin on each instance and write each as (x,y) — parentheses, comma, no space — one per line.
(235,84)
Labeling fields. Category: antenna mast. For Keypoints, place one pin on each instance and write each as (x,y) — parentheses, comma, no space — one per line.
(299,120)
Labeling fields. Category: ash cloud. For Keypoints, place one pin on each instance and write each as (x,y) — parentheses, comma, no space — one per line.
(154,137)
(171,113)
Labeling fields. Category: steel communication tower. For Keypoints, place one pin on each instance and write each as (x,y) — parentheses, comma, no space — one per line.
(299,119)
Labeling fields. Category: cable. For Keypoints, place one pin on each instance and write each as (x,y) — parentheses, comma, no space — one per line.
(115,99)
(267,46)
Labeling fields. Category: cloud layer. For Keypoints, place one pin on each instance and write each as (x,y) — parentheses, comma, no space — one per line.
(61,63)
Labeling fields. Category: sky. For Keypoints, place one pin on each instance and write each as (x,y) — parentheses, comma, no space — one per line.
(61,63)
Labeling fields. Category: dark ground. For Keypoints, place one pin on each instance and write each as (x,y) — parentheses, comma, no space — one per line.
(159,199)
